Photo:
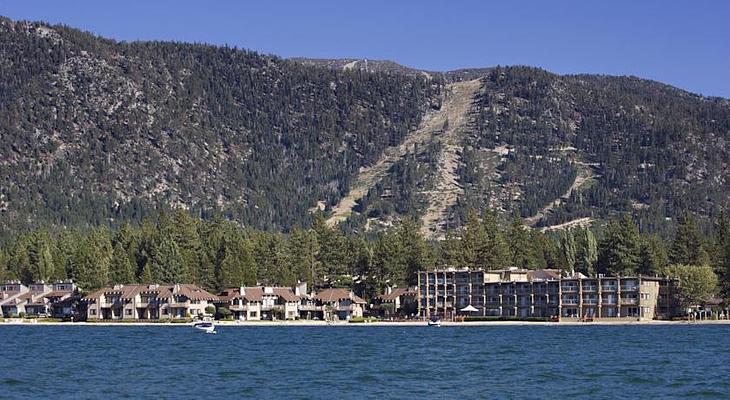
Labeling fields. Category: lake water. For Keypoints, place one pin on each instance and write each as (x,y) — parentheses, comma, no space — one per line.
(365,362)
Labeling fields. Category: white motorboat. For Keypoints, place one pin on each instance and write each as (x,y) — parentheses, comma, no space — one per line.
(434,321)
(206,325)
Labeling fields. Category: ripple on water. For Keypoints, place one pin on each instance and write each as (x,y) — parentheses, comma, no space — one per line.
(372,362)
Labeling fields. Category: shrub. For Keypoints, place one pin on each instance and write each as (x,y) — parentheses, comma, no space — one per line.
(21,315)
(223,313)
(210,310)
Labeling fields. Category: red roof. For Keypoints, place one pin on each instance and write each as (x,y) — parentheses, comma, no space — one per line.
(333,295)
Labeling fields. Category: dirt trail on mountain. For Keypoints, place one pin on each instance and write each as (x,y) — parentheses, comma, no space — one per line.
(584,175)
(454,107)
(447,189)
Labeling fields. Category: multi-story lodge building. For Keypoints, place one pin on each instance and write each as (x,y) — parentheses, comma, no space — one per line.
(262,302)
(37,299)
(134,302)
(544,293)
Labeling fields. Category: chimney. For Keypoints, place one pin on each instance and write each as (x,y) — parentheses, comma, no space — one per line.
(301,289)
(242,290)
(176,288)
(388,289)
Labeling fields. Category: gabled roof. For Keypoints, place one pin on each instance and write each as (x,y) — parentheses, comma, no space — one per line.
(128,292)
(544,274)
(256,293)
(337,294)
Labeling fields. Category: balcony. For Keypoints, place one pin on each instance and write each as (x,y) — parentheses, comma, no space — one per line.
(570,301)
(608,288)
(629,288)
(183,304)
(590,301)
(629,301)
(570,288)
(590,288)
(611,301)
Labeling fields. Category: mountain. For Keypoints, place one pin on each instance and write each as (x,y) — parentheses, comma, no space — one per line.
(95,131)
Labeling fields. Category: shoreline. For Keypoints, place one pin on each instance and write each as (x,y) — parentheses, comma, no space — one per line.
(307,323)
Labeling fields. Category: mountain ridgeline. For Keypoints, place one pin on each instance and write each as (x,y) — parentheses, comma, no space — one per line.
(97,132)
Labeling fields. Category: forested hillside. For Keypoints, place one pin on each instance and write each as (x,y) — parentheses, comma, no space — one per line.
(95,132)
(620,144)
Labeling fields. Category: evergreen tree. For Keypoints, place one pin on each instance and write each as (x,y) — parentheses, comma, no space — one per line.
(653,256)
(302,255)
(519,245)
(618,250)
(167,264)
(90,263)
(474,242)
(388,262)
(121,269)
(586,252)
(496,249)
(688,247)
(450,253)
(568,249)
(416,254)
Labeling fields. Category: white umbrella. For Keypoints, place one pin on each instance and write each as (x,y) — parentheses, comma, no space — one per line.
(469,308)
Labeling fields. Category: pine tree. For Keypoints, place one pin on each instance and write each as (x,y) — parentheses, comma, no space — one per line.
(586,252)
(653,256)
(302,255)
(568,249)
(388,262)
(450,253)
(495,249)
(618,250)
(121,269)
(167,264)
(688,247)
(90,263)
(474,242)
(416,254)
(520,247)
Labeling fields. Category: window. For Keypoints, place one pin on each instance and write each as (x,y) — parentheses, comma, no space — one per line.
(253,314)
(92,312)
(164,311)
(127,312)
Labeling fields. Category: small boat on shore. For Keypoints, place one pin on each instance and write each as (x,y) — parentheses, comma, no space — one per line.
(206,325)
(434,321)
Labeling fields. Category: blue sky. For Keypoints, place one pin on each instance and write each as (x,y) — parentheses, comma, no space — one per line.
(683,43)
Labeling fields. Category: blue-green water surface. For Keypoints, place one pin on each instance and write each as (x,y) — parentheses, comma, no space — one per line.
(292,362)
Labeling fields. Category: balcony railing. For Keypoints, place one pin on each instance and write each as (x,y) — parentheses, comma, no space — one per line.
(629,301)
(570,301)
(570,288)
(608,288)
(629,288)
(590,301)
(590,288)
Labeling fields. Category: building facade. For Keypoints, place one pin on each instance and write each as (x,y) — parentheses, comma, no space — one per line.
(544,294)
(262,302)
(153,301)
(37,299)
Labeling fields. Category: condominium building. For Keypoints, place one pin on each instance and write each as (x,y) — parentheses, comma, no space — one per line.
(153,301)
(38,298)
(262,302)
(543,293)
(333,303)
